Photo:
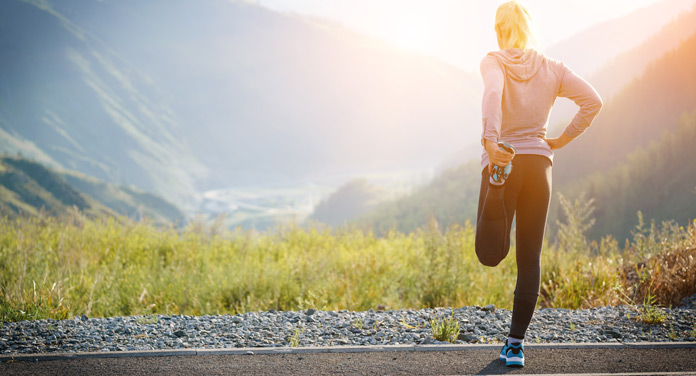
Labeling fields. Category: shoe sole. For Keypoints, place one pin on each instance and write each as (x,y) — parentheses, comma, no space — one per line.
(514,362)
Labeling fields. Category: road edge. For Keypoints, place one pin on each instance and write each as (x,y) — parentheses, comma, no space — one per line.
(332,349)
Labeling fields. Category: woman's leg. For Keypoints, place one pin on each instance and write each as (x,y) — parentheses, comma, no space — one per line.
(532,208)
(495,212)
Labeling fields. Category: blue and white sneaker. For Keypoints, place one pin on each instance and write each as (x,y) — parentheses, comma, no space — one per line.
(500,174)
(503,352)
(514,357)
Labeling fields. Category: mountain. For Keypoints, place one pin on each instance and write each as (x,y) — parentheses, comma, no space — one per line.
(637,115)
(180,97)
(659,180)
(630,64)
(351,200)
(71,101)
(621,50)
(609,38)
(451,198)
(27,187)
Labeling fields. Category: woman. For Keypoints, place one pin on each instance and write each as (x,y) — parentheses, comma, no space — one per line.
(520,87)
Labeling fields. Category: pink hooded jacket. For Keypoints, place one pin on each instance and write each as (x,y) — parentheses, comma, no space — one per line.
(520,88)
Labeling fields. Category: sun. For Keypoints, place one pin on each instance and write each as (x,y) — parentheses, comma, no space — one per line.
(411,31)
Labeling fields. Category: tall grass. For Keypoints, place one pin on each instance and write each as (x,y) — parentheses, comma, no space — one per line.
(71,266)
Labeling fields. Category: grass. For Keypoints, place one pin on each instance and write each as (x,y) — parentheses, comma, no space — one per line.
(651,314)
(295,338)
(149,319)
(672,334)
(445,329)
(32,304)
(407,325)
(69,266)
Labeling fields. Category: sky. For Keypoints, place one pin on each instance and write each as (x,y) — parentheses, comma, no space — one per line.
(459,32)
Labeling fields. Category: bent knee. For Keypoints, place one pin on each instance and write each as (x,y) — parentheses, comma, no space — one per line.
(489,261)
(488,257)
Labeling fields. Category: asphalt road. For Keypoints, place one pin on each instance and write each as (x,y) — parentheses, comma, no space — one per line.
(540,360)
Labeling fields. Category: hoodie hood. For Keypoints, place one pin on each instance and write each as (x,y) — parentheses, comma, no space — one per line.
(520,65)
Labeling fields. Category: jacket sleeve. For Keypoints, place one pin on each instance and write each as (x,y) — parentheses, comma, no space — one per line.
(491,106)
(584,95)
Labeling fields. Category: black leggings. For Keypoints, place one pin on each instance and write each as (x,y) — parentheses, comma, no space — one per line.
(526,194)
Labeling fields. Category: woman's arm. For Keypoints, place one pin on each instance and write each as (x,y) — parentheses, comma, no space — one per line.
(491,105)
(584,95)
(492,110)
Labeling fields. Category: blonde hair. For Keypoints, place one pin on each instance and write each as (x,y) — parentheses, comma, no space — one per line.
(513,26)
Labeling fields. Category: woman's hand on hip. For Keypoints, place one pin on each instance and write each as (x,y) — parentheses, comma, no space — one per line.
(558,142)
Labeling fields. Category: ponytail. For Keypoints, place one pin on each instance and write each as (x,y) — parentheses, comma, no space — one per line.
(513,26)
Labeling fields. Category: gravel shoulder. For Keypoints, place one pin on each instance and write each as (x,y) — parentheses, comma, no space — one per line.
(316,328)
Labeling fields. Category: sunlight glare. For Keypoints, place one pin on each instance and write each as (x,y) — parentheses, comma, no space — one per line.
(411,31)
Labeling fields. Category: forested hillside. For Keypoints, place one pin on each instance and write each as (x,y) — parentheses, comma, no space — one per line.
(353,199)
(451,198)
(658,180)
(27,187)
(637,115)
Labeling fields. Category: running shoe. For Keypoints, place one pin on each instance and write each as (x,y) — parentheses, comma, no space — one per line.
(503,352)
(514,357)
(500,174)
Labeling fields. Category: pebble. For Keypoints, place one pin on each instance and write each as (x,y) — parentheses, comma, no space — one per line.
(315,328)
